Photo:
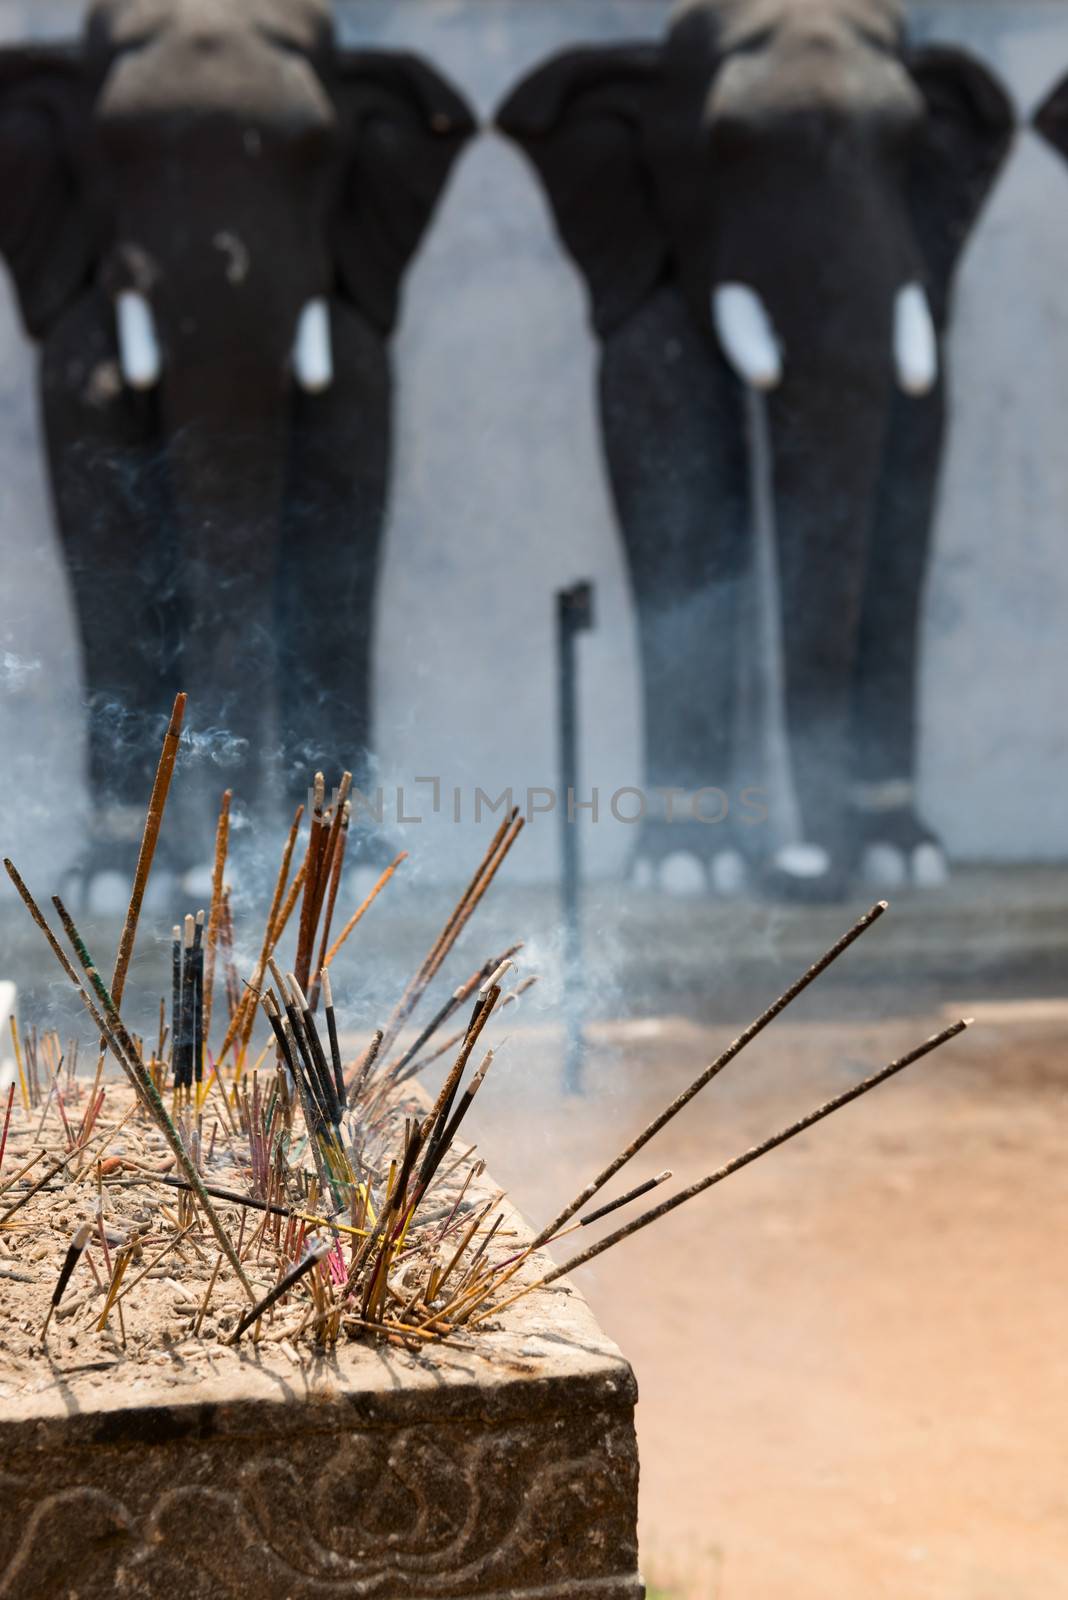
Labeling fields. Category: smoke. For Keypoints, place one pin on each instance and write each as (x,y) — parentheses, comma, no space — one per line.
(213,747)
(16,671)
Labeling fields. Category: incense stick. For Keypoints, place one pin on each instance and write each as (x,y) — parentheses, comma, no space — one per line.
(149,838)
(129,1060)
(745,1159)
(723,1060)
(222,845)
(70,1261)
(312,1259)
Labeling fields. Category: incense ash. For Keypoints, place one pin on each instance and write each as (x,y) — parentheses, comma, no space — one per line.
(243,1172)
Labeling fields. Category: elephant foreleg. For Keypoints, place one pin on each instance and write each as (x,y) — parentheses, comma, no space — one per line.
(676,454)
(828,447)
(885,692)
(112,514)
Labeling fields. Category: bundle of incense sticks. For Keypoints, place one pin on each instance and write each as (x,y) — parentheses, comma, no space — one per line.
(367,1219)
(187,1002)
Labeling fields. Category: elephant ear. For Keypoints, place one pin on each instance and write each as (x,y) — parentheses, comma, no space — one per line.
(1051,118)
(47,235)
(404,126)
(966,137)
(580,120)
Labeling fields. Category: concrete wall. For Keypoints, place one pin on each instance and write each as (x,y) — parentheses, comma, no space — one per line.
(500,496)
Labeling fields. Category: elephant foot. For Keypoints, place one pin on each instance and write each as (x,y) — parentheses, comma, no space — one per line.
(99,883)
(899,851)
(887,866)
(682,875)
(196,884)
(806,873)
(684,864)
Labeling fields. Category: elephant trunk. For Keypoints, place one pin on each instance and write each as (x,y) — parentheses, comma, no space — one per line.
(816,299)
(226,427)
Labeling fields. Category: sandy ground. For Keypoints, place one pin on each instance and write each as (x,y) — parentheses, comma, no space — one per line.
(853,1357)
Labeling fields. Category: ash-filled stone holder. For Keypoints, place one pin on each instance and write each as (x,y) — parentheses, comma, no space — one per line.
(506,1468)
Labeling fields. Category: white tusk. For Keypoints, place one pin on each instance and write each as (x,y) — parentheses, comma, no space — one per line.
(747,335)
(313,356)
(915,341)
(139,352)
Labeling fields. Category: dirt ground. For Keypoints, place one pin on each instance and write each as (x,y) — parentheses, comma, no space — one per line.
(853,1357)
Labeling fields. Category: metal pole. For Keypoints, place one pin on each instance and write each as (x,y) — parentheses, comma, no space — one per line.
(574,615)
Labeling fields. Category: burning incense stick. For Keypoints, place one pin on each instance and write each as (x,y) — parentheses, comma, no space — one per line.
(123,1049)
(242,1022)
(451,1006)
(70,1261)
(757,1026)
(222,844)
(7,1120)
(331,899)
(197,1048)
(753,1154)
(153,822)
(335,1048)
(363,908)
(23,1090)
(316,1254)
(624,1199)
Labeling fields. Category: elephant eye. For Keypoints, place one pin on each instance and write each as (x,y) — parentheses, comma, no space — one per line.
(751,44)
(286,42)
(876,41)
(129,45)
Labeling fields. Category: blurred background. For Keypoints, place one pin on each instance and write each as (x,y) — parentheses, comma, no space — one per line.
(853,1373)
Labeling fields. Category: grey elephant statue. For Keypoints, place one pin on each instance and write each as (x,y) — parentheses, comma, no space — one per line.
(207,210)
(771,203)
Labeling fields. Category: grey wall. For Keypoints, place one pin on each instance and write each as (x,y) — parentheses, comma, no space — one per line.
(500,495)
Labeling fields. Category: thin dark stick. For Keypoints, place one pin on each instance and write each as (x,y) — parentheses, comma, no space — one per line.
(479,893)
(7,1120)
(198,998)
(496,851)
(744,1160)
(305,1058)
(282,1287)
(273,1017)
(153,822)
(444,1143)
(326,870)
(786,998)
(222,844)
(437,1144)
(134,1067)
(70,1261)
(312,861)
(624,1199)
(335,1048)
(337,862)
(352,1097)
(452,1004)
(176,1001)
(315,1045)
(184,1078)
(364,907)
(244,1017)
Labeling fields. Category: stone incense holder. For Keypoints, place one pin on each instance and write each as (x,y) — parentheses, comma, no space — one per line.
(508,1469)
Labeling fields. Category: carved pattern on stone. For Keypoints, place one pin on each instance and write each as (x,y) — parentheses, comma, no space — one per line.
(439,1512)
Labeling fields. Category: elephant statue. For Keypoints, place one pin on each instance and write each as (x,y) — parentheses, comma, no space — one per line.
(767,208)
(207,208)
